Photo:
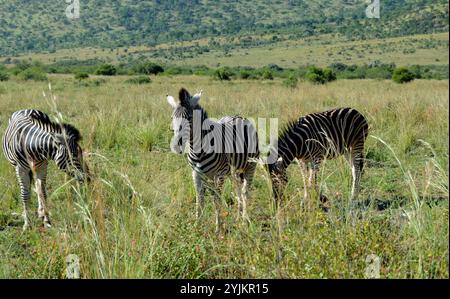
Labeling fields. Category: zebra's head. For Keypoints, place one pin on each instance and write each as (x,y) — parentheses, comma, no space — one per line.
(69,155)
(182,118)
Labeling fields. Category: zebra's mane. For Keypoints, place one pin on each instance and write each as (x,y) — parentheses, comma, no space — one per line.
(44,122)
(286,130)
(72,132)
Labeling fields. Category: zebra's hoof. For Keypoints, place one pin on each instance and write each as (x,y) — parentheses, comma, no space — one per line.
(26,227)
(47,224)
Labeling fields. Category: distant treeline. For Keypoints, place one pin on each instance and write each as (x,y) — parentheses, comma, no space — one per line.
(112,24)
(83,68)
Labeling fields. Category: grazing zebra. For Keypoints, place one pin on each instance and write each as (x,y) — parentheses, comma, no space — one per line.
(30,141)
(215,150)
(317,136)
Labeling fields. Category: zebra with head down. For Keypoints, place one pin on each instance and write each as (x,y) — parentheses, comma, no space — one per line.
(215,150)
(30,141)
(315,137)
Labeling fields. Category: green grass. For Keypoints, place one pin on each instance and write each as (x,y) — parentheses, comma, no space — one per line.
(137,218)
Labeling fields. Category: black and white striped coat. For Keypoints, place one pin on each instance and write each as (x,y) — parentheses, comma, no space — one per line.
(215,149)
(318,136)
(30,141)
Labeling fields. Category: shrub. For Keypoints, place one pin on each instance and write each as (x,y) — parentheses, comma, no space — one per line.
(149,68)
(20,66)
(223,74)
(81,75)
(320,76)
(139,80)
(33,73)
(275,68)
(329,75)
(338,66)
(178,70)
(267,75)
(354,73)
(402,75)
(106,70)
(291,81)
(4,76)
(202,70)
(245,74)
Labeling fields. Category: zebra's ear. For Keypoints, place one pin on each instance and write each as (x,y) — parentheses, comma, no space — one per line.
(196,98)
(185,97)
(172,102)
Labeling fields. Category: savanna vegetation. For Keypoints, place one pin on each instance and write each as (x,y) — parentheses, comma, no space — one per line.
(136,218)
(44,27)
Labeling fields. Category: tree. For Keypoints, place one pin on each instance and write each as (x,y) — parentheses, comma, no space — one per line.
(106,70)
(149,68)
(320,76)
(223,74)
(403,75)
(81,75)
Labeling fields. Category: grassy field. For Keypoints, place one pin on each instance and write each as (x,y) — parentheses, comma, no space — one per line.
(137,219)
(322,50)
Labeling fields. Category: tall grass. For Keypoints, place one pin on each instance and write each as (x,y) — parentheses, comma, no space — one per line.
(136,218)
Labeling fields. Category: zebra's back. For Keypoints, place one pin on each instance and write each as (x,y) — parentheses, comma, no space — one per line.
(26,136)
(327,134)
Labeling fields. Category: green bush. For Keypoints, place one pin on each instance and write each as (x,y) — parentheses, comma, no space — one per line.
(139,80)
(178,70)
(223,74)
(4,76)
(33,73)
(291,81)
(81,75)
(106,70)
(202,70)
(402,75)
(320,76)
(245,74)
(148,68)
(20,66)
(267,75)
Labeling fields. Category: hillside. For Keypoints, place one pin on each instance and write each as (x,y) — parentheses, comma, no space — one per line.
(322,50)
(43,26)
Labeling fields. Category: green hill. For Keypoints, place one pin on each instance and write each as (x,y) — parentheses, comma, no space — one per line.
(38,26)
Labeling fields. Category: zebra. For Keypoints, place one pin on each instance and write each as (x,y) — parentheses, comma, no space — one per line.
(228,147)
(30,141)
(315,137)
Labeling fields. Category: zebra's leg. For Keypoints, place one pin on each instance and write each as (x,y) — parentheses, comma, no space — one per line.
(200,194)
(304,169)
(238,182)
(218,183)
(357,163)
(41,178)
(247,179)
(24,177)
(314,187)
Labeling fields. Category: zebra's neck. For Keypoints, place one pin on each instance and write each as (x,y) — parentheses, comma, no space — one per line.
(291,143)
(197,121)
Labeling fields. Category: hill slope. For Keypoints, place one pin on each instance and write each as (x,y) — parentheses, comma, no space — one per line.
(43,25)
